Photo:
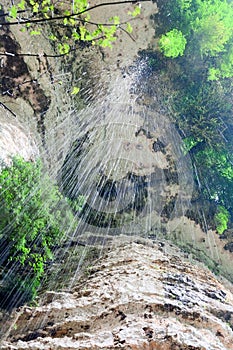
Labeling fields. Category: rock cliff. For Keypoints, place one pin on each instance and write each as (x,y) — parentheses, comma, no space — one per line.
(137,296)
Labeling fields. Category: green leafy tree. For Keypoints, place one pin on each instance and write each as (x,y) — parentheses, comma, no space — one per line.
(208,28)
(201,106)
(173,43)
(212,34)
(224,66)
(213,30)
(34,218)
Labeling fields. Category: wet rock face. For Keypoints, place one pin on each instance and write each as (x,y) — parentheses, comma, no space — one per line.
(14,140)
(137,297)
(131,174)
(16,83)
(16,80)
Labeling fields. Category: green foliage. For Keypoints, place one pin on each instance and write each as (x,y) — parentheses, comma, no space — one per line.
(75,90)
(77,204)
(215,172)
(219,160)
(185,4)
(63,48)
(189,143)
(34,218)
(13,12)
(136,11)
(16,290)
(35,32)
(211,34)
(221,219)
(129,28)
(208,27)
(76,25)
(173,43)
(224,64)
(200,106)
(22,4)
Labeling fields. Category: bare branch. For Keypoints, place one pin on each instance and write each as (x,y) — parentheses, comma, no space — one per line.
(8,109)
(33,54)
(125,31)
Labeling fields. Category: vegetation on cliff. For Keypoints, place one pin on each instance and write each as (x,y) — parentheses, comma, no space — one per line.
(208,28)
(195,53)
(70,22)
(34,219)
(200,71)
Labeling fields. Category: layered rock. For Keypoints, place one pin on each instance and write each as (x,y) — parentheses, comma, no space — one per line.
(138,296)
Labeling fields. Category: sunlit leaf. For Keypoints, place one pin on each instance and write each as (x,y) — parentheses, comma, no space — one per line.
(21,5)
(135,12)
(35,32)
(13,12)
(53,37)
(64,48)
(75,90)
(129,28)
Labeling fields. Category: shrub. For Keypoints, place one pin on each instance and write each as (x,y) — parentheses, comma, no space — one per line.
(173,43)
(221,219)
(208,27)
(33,219)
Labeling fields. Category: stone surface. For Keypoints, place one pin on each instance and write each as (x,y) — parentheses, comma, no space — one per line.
(15,139)
(138,296)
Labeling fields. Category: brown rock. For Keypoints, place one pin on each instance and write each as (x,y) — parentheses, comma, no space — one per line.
(136,297)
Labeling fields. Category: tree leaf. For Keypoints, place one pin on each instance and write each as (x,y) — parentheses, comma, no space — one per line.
(13,12)
(129,28)
(75,90)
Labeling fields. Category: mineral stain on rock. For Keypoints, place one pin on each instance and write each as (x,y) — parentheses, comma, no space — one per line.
(16,80)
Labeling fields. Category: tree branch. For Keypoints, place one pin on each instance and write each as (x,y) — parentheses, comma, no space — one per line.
(42,20)
(8,109)
(15,54)
(125,31)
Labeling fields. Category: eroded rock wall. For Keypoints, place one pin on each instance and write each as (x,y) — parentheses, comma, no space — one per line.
(138,296)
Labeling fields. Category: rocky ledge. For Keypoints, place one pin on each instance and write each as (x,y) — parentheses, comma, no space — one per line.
(138,296)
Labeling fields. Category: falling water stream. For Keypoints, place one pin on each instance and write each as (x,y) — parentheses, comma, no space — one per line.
(128,164)
(125,158)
